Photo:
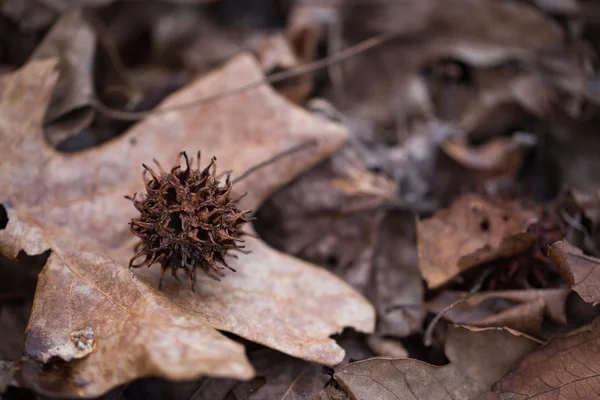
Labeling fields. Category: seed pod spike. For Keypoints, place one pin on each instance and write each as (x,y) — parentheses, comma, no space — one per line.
(163,268)
(187,164)
(160,168)
(191,279)
(147,168)
(241,197)
(138,255)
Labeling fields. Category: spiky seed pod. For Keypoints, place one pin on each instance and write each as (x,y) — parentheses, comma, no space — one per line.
(187,220)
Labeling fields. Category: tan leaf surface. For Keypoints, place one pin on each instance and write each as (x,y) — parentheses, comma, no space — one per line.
(471,232)
(478,357)
(73,204)
(580,271)
(567,367)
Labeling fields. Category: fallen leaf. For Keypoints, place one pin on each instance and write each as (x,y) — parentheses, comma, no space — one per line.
(477,35)
(332,216)
(185,34)
(521,310)
(564,368)
(397,289)
(308,27)
(580,212)
(478,358)
(276,54)
(74,206)
(469,233)
(386,347)
(500,155)
(73,41)
(578,270)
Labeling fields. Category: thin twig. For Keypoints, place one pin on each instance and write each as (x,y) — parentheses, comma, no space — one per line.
(476,287)
(277,157)
(274,78)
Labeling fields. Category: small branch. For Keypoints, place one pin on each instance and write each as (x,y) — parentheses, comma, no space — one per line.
(429,331)
(274,78)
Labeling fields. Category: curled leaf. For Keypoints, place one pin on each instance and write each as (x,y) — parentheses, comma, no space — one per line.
(469,233)
(578,270)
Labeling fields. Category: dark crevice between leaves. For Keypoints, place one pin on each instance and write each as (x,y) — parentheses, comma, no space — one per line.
(3,217)
(18,277)
(53,377)
(416,349)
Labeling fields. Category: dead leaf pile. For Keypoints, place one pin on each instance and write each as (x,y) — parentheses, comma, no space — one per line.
(423,174)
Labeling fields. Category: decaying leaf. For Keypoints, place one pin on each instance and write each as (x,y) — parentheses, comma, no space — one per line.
(580,211)
(117,326)
(522,310)
(73,42)
(469,233)
(578,270)
(564,368)
(397,289)
(498,156)
(481,34)
(386,347)
(332,216)
(478,358)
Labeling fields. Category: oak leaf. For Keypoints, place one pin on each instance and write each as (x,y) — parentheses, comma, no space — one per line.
(469,233)
(105,324)
(478,358)
(567,367)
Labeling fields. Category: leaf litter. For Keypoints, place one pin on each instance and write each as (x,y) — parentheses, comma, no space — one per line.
(423,176)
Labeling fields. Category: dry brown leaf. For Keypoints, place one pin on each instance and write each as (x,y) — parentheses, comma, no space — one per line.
(566,367)
(522,310)
(73,205)
(580,212)
(578,270)
(386,347)
(397,289)
(308,26)
(478,358)
(73,42)
(477,32)
(469,233)
(276,54)
(500,155)
(331,216)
